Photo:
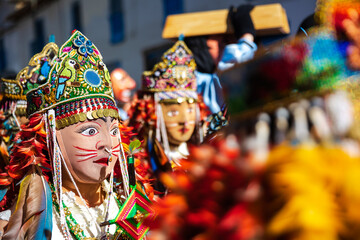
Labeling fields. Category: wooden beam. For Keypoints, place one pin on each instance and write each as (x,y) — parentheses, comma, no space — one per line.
(270,19)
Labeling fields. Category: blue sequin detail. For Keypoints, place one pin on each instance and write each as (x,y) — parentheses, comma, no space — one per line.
(89,50)
(78,43)
(85,46)
(82,49)
(82,38)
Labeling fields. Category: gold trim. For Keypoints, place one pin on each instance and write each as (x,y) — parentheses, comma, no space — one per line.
(20,96)
(97,95)
(106,112)
(179,100)
(79,117)
(82,117)
(100,113)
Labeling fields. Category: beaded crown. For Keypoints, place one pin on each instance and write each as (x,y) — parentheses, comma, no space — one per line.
(12,92)
(77,85)
(173,77)
(29,77)
(12,89)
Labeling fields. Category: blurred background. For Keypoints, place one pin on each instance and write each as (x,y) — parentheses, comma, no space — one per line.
(127,32)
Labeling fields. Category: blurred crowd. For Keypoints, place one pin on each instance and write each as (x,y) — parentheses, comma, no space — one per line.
(225,139)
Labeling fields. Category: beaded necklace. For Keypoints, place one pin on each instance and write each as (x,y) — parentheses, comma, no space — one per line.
(74,227)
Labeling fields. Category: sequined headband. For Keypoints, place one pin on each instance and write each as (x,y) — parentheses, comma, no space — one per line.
(173,77)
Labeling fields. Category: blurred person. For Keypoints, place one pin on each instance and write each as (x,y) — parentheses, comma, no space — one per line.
(168,114)
(122,84)
(351,27)
(214,53)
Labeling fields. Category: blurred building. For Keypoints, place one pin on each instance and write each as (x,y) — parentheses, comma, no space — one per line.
(127,32)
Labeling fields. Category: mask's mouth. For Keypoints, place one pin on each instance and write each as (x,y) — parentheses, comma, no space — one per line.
(126,93)
(102,161)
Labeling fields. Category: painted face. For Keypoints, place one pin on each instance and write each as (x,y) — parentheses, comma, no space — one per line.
(86,148)
(179,121)
(216,47)
(122,85)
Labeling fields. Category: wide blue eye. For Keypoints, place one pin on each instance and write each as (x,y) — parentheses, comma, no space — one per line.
(91,131)
(114,131)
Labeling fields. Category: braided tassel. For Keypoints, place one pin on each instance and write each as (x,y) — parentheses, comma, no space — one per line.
(57,178)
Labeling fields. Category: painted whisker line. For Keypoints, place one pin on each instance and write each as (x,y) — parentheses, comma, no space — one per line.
(82,152)
(115,149)
(85,155)
(87,150)
(86,159)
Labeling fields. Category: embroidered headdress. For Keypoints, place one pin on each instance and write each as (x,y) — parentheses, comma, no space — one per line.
(13,91)
(77,86)
(174,77)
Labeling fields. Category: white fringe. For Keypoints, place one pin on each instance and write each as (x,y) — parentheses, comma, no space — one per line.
(161,127)
(123,168)
(56,162)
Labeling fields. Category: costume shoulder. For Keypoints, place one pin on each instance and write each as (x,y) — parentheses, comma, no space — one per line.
(32,218)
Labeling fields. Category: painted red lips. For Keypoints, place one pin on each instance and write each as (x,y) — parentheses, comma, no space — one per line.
(102,161)
(184,130)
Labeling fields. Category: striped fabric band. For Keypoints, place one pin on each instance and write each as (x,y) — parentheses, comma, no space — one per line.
(177,94)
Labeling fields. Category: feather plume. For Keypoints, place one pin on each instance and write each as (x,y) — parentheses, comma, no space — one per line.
(32,218)
(29,150)
(31,142)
